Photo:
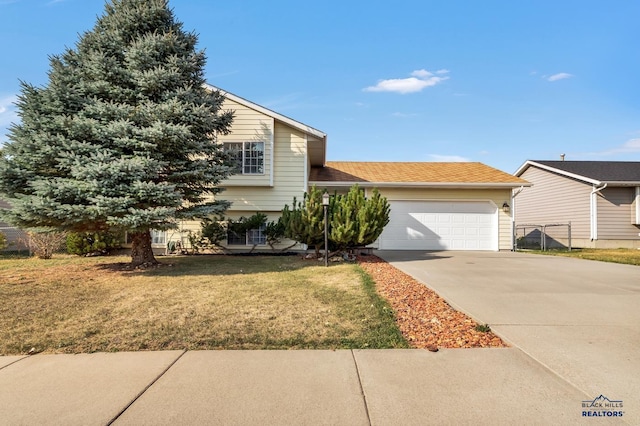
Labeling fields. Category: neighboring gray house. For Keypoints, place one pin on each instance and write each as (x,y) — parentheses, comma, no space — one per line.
(15,236)
(601,199)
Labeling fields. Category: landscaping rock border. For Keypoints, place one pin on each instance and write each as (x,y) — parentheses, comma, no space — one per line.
(425,319)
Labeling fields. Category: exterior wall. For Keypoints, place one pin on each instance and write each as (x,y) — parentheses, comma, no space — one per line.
(497,196)
(289,165)
(616,214)
(555,199)
(250,126)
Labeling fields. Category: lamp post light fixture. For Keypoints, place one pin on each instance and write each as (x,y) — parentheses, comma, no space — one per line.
(325,206)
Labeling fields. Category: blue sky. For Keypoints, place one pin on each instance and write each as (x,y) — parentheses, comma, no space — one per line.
(498,82)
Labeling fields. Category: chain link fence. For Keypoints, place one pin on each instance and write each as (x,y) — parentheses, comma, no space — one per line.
(543,236)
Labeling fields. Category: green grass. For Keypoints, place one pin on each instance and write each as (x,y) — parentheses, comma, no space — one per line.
(626,256)
(71,304)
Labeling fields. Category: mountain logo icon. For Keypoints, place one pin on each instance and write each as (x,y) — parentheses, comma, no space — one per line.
(602,401)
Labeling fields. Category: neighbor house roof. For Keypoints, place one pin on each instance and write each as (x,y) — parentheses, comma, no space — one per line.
(339,173)
(594,172)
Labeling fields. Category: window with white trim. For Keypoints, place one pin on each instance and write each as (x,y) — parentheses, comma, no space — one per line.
(157,237)
(248,157)
(249,238)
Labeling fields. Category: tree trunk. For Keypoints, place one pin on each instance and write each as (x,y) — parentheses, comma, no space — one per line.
(141,252)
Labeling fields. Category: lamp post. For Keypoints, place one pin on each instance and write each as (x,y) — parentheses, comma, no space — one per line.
(325,206)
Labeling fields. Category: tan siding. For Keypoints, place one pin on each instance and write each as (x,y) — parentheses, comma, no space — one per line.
(615,210)
(497,196)
(288,177)
(554,199)
(250,126)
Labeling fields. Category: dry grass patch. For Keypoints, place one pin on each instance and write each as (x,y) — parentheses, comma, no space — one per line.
(627,256)
(72,305)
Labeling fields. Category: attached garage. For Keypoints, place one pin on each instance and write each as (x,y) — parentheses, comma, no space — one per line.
(434,206)
(441,225)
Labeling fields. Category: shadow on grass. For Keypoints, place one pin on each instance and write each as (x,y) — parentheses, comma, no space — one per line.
(180,266)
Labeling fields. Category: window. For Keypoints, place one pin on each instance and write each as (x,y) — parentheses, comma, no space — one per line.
(248,157)
(249,238)
(157,237)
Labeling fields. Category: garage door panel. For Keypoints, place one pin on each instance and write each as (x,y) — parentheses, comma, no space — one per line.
(438,225)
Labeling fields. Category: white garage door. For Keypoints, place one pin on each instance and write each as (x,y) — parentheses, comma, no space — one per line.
(441,225)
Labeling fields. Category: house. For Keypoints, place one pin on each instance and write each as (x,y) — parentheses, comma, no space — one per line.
(16,238)
(434,206)
(601,199)
(274,155)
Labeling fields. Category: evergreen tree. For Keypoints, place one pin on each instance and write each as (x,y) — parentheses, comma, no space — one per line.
(357,221)
(121,136)
(353,219)
(304,222)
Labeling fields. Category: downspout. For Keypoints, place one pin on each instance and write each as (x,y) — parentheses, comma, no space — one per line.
(514,194)
(273,152)
(305,184)
(594,210)
(637,205)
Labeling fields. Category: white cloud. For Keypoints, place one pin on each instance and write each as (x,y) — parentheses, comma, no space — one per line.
(448,158)
(630,146)
(559,76)
(8,110)
(8,115)
(419,80)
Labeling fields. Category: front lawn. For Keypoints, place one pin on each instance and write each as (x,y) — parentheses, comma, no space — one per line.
(73,304)
(628,256)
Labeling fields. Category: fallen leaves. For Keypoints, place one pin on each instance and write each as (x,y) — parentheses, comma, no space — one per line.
(425,319)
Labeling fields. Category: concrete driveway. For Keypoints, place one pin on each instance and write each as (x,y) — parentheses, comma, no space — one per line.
(578,318)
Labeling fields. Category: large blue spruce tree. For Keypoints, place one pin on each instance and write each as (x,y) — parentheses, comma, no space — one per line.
(122,135)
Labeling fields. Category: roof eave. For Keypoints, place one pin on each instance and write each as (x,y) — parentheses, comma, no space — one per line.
(622,183)
(291,122)
(530,163)
(450,185)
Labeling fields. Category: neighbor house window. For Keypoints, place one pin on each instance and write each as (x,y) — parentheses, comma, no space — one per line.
(248,157)
(249,238)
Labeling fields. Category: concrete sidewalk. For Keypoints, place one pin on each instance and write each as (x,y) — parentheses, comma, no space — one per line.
(344,387)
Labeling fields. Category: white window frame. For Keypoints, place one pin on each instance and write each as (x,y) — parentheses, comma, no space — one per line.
(253,156)
(158,238)
(252,237)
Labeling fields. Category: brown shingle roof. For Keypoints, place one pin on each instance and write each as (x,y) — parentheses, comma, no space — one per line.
(412,173)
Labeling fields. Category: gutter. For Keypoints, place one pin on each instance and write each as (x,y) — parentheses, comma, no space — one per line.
(487,185)
(594,210)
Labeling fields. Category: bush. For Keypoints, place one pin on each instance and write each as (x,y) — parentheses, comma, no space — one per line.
(44,244)
(102,242)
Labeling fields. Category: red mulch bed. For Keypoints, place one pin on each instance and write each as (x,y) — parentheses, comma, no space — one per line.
(425,319)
